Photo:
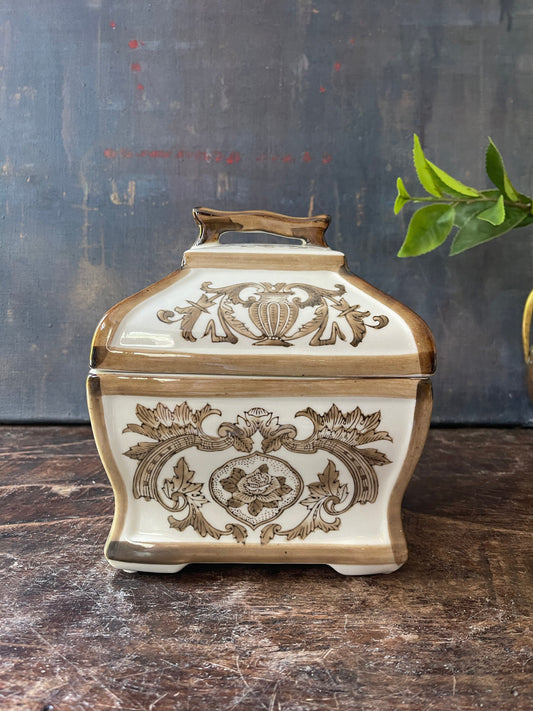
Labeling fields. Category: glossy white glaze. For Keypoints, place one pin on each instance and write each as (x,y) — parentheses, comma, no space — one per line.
(142,329)
(363,524)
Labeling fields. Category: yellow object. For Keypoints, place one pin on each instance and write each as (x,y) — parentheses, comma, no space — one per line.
(526,328)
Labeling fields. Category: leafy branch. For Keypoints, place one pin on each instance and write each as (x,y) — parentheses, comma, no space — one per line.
(479,215)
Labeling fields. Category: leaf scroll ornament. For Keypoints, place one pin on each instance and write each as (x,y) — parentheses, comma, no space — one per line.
(188,495)
(272,315)
(324,495)
(257,487)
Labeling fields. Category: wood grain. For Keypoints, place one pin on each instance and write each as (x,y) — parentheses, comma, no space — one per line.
(450,631)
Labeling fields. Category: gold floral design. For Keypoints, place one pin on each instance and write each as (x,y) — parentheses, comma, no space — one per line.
(187,495)
(256,490)
(269,314)
(324,495)
(257,484)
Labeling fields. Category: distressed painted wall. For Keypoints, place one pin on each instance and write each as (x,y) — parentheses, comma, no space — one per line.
(118,116)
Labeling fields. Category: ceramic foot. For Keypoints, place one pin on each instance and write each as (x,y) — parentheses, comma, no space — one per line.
(146,567)
(365,569)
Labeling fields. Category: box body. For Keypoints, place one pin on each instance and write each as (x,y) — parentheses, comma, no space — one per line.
(260,405)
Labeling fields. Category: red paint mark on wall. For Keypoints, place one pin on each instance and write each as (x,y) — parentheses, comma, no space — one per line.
(113,25)
(234,157)
(133,44)
(205,156)
(337,66)
(322,89)
(135,67)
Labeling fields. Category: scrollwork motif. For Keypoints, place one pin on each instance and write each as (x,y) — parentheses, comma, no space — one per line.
(257,488)
(269,314)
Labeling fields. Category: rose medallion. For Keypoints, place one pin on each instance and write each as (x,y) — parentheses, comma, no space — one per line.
(256,488)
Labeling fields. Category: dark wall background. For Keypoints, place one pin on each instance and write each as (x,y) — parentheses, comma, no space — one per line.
(118,116)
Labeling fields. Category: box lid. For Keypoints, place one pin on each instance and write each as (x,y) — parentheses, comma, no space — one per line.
(263,309)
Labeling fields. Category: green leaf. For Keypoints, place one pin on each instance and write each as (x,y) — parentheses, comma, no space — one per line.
(450,185)
(527,221)
(475,231)
(402,197)
(424,175)
(428,229)
(497,173)
(402,190)
(465,211)
(495,214)
(491,194)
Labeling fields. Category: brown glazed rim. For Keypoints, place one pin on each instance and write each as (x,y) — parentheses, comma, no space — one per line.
(169,553)
(235,386)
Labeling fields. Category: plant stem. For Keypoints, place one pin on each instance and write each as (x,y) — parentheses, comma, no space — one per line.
(470,201)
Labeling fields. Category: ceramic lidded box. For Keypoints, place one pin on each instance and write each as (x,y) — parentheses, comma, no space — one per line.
(261,404)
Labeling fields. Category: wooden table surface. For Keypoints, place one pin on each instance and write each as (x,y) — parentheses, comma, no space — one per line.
(450,630)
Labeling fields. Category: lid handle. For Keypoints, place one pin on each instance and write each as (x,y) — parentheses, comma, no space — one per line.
(214,223)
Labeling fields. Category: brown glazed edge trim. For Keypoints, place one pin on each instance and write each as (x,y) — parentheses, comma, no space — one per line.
(251,364)
(186,552)
(113,317)
(419,432)
(299,262)
(102,356)
(424,340)
(98,423)
(235,386)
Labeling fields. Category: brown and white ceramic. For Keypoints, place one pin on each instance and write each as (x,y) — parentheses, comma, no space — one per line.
(261,404)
